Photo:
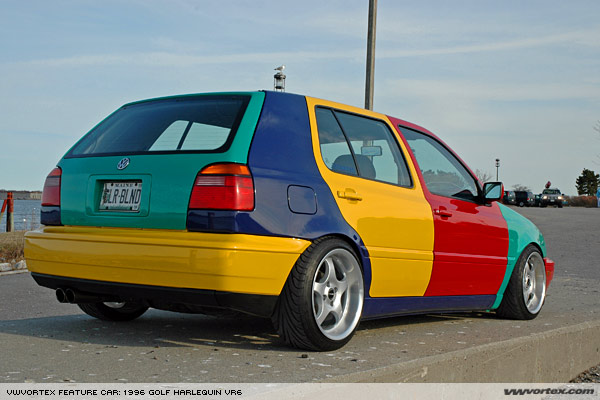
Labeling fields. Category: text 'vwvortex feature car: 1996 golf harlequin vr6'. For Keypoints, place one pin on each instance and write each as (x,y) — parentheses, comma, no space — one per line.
(312,213)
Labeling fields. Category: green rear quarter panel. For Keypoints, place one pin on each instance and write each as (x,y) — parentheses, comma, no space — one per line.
(521,233)
(167,179)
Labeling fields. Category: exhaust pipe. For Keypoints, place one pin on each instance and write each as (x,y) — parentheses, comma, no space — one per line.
(75,297)
(61,296)
(71,296)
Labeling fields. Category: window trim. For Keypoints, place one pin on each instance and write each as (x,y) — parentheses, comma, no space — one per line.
(395,140)
(478,199)
(345,137)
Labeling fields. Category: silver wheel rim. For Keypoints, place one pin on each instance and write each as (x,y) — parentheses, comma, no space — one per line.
(113,304)
(338,294)
(534,283)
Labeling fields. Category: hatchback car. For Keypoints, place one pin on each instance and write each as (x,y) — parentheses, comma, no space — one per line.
(312,213)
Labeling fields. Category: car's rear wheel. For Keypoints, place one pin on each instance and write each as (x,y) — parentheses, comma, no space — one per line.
(125,311)
(321,303)
(526,290)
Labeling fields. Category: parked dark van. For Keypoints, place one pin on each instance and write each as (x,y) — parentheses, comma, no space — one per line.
(523,198)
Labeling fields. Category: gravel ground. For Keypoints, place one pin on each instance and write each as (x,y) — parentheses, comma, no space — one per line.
(592,375)
(11,247)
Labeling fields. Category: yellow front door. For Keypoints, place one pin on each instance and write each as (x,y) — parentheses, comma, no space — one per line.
(378,193)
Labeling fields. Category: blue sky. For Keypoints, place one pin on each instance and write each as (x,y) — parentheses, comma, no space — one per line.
(514,80)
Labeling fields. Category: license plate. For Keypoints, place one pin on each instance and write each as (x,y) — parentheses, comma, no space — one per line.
(121,196)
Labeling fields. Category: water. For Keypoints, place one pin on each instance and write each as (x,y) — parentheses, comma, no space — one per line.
(26,215)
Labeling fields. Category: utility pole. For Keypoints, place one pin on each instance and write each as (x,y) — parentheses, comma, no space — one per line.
(369,85)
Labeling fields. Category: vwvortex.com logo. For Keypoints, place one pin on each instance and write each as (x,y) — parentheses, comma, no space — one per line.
(522,392)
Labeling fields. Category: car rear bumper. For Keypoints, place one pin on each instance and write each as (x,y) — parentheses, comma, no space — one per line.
(549,264)
(165,298)
(233,263)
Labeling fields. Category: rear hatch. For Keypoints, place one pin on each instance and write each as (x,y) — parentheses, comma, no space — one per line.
(138,166)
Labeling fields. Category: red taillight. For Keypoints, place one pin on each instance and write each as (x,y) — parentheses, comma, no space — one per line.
(51,193)
(223,187)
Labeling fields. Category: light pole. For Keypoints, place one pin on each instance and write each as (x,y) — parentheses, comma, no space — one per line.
(370,55)
(497,166)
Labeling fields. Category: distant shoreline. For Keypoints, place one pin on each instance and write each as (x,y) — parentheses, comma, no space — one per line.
(22,194)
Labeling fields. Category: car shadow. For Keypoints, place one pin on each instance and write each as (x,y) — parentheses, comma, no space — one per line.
(153,329)
(165,329)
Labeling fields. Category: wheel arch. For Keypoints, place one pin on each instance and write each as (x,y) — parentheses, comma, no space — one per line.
(360,250)
(521,234)
(351,243)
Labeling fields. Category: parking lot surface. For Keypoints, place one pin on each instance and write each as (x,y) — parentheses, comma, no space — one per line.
(44,341)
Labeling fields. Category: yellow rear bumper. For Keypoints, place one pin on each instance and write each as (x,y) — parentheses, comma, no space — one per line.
(224,262)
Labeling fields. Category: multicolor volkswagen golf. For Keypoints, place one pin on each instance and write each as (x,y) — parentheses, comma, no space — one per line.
(312,213)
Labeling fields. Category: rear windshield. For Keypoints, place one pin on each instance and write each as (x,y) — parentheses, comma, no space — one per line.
(190,124)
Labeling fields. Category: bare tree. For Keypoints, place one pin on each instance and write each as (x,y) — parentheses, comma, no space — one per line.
(483,176)
(521,188)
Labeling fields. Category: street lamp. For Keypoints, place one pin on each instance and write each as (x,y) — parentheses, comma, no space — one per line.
(497,166)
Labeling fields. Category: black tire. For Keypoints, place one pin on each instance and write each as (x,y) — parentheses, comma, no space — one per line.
(113,311)
(521,204)
(560,206)
(529,273)
(321,303)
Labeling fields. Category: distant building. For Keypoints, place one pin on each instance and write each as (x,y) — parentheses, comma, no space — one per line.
(21,194)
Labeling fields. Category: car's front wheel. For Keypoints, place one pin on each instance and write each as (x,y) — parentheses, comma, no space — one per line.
(526,291)
(125,311)
(321,303)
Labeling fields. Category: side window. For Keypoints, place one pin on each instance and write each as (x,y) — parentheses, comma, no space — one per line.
(374,150)
(334,147)
(443,173)
(377,153)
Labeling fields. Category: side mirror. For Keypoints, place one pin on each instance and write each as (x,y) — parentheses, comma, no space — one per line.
(493,191)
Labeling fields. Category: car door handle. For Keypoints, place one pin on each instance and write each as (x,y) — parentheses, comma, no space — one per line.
(442,212)
(349,194)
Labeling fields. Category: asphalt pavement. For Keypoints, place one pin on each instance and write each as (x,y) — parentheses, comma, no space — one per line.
(42,340)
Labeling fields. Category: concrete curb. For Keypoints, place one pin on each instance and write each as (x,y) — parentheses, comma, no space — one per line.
(18,271)
(10,269)
(558,355)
